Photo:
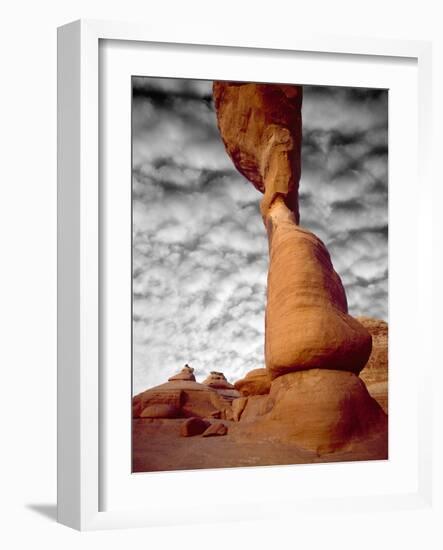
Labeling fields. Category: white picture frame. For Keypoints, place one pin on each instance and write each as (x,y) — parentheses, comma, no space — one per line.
(82,435)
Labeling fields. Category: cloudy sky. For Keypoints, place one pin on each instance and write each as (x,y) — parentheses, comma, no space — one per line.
(199,245)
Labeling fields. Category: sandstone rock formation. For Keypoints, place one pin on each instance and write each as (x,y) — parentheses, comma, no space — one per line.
(187,373)
(238,406)
(307,325)
(255,406)
(217,380)
(309,404)
(227,391)
(324,410)
(187,397)
(256,382)
(260,125)
(375,373)
(321,410)
(313,348)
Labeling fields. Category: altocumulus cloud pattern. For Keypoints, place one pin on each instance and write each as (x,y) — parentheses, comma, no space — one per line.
(199,245)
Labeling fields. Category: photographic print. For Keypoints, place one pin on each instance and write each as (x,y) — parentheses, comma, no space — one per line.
(259,274)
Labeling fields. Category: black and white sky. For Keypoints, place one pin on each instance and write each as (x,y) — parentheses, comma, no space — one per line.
(200,252)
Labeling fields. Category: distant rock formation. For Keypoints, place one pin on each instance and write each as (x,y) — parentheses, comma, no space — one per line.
(375,373)
(227,391)
(218,380)
(314,350)
(182,397)
(187,373)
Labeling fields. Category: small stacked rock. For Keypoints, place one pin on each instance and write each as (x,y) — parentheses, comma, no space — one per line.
(227,391)
(217,380)
(187,373)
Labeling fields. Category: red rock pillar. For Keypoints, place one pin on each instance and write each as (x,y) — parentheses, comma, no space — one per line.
(313,348)
(307,325)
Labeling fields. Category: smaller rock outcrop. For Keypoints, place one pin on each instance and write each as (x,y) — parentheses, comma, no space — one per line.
(375,373)
(182,397)
(187,373)
(256,382)
(225,389)
(218,381)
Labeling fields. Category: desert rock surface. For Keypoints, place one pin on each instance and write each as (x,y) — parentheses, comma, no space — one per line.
(158,446)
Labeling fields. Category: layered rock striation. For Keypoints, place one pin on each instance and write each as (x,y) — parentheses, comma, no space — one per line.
(183,397)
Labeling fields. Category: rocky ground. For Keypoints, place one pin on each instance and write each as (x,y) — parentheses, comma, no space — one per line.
(252,438)
(158,446)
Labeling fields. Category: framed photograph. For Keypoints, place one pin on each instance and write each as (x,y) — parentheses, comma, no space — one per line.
(232,221)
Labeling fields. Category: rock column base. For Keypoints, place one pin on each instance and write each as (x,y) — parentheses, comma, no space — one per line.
(321,410)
